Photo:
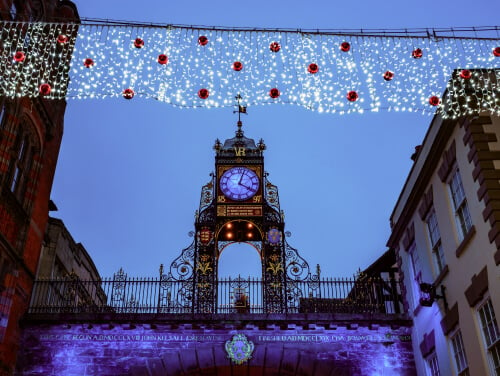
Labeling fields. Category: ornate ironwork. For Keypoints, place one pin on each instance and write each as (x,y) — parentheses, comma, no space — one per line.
(207,195)
(271,194)
(125,295)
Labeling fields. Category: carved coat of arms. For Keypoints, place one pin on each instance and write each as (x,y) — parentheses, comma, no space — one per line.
(239,349)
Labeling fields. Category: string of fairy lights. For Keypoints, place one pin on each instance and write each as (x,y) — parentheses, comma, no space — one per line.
(206,67)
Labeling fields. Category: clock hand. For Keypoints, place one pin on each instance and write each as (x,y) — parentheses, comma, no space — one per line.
(241,178)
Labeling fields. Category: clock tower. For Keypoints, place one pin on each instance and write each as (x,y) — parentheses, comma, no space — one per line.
(238,205)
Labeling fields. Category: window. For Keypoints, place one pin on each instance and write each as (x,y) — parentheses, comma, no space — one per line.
(462,215)
(21,161)
(491,334)
(457,345)
(432,365)
(415,274)
(2,115)
(13,11)
(435,238)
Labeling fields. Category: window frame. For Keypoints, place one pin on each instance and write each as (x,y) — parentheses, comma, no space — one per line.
(457,347)
(432,363)
(491,344)
(461,212)
(415,273)
(434,235)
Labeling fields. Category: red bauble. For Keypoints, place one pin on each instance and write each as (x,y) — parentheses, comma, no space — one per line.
(434,100)
(45,89)
(465,74)
(19,56)
(496,51)
(313,68)
(274,93)
(275,47)
(203,40)
(388,75)
(417,53)
(345,46)
(203,93)
(128,93)
(162,59)
(88,62)
(138,43)
(62,39)
(237,66)
(352,96)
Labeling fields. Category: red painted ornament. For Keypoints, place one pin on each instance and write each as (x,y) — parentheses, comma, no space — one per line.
(313,68)
(388,75)
(465,74)
(203,93)
(352,96)
(128,93)
(19,56)
(45,89)
(88,62)
(275,47)
(274,93)
(237,66)
(203,40)
(162,59)
(417,53)
(496,51)
(138,43)
(62,39)
(434,101)
(345,46)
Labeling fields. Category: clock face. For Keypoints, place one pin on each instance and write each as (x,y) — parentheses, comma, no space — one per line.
(239,183)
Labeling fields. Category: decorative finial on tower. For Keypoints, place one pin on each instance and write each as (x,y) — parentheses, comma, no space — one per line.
(241,110)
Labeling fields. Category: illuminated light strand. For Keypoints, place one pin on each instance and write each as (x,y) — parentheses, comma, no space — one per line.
(192,67)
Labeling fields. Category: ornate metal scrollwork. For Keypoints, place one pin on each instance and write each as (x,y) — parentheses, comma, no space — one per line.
(181,269)
(207,195)
(271,195)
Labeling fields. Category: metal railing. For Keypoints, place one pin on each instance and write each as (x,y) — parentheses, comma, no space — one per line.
(240,296)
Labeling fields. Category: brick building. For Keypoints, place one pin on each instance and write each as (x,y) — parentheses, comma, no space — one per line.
(30,137)
(446,234)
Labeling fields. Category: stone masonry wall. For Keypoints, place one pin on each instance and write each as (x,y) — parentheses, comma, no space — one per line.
(187,349)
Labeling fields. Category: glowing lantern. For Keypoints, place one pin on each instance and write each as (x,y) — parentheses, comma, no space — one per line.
(388,75)
(203,93)
(203,40)
(313,68)
(417,53)
(274,47)
(274,93)
(162,59)
(237,66)
(345,46)
(88,62)
(128,93)
(45,89)
(19,56)
(434,100)
(138,43)
(352,96)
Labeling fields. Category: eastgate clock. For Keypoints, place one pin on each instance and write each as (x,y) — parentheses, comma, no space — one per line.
(239,183)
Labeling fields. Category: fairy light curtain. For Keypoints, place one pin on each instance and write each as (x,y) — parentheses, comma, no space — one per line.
(195,67)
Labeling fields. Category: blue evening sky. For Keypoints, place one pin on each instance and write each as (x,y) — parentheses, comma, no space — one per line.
(130,173)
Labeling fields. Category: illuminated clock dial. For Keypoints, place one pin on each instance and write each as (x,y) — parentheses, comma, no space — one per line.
(239,183)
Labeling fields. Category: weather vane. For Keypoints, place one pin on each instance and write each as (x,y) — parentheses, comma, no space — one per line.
(241,109)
